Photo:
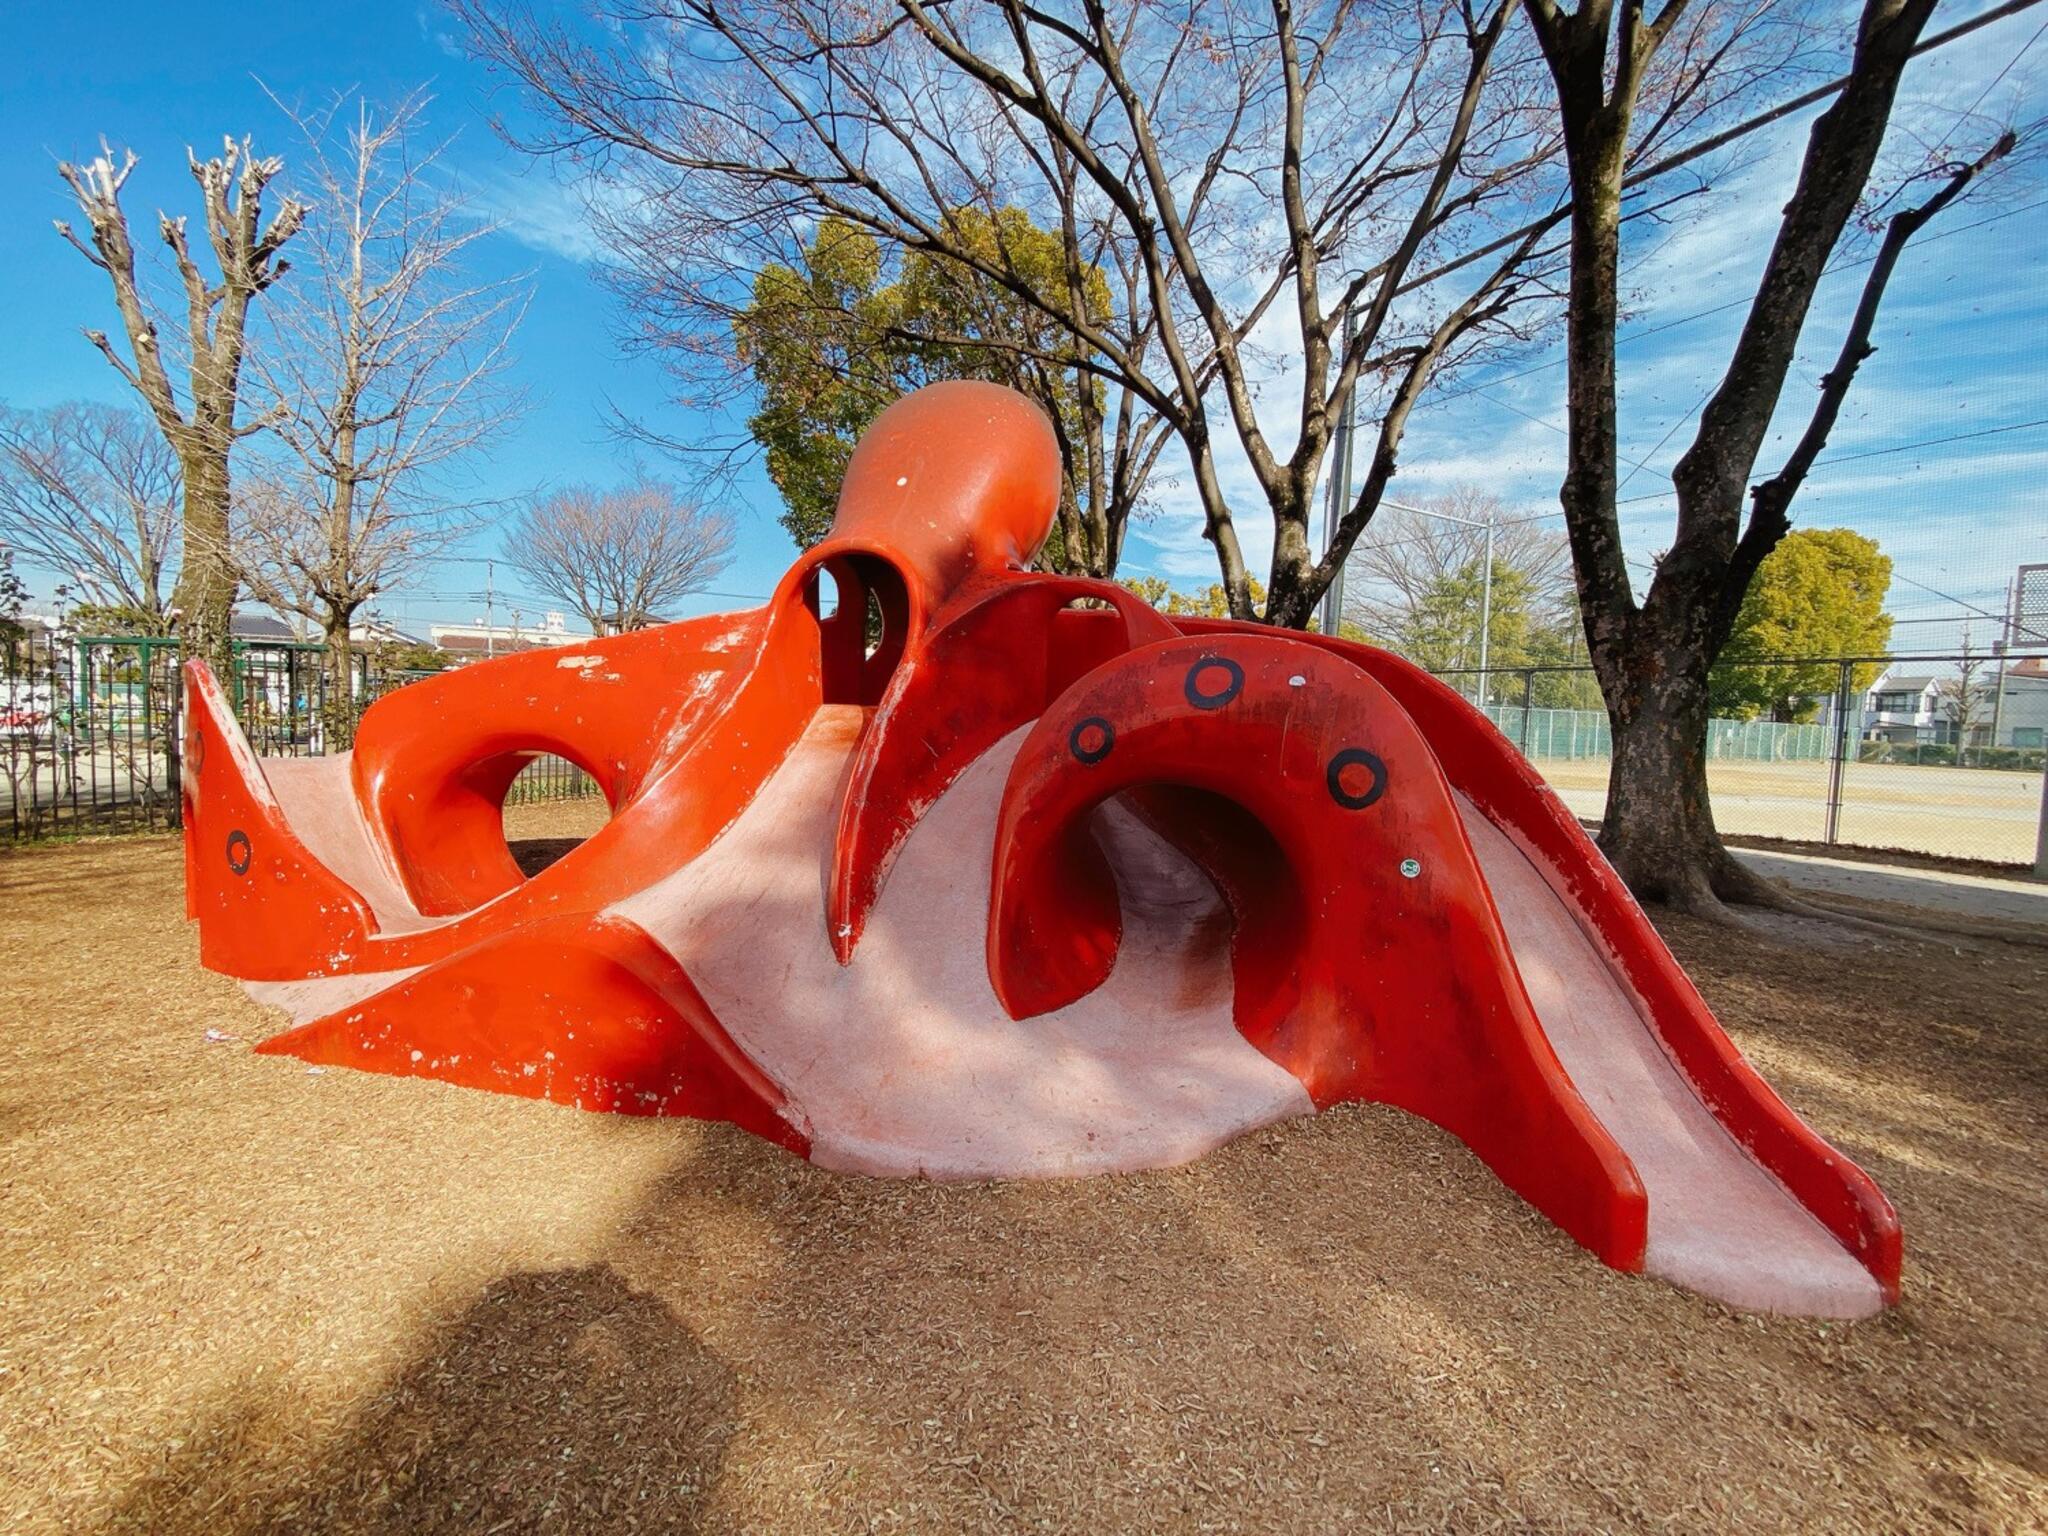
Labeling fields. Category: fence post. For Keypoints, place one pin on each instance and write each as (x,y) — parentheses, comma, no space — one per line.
(1838,759)
(175,757)
(2041,837)
(1528,699)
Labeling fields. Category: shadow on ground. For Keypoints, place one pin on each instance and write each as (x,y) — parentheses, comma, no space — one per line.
(564,1400)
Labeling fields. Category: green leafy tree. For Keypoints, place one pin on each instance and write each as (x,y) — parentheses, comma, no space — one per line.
(820,339)
(1820,593)
(1441,629)
(1212,602)
(111,618)
(1568,682)
(836,338)
(13,594)
(405,656)
(971,327)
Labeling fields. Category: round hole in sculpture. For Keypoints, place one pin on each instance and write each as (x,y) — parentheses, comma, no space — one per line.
(550,807)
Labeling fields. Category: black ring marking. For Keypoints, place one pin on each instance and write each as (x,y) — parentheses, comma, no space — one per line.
(239,852)
(1231,690)
(1355,757)
(1091,754)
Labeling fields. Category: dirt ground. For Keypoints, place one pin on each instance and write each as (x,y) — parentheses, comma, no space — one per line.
(1975,813)
(237,1295)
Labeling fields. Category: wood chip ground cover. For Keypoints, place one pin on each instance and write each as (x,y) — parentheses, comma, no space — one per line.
(239,1296)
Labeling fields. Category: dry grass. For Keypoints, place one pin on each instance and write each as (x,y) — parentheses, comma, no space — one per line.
(238,1296)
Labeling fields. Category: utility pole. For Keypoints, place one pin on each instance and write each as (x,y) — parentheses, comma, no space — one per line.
(490,614)
(1340,494)
(1999,648)
(1486,602)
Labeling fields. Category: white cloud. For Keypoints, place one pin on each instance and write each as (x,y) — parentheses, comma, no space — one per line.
(440,37)
(540,212)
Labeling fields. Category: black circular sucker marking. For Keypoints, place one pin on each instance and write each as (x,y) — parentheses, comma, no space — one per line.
(1356,757)
(239,852)
(1100,731)
(195,750)
(1201,699)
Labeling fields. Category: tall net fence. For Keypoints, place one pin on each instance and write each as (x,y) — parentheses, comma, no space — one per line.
(1925,754)
(89,728)
(1936,755)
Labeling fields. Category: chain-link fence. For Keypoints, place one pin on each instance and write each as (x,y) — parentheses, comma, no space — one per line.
(89,728)
(1938,755)
(1928,754)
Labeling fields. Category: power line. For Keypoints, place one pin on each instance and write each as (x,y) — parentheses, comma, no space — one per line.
(2009,66)
(1641,333)
(1872,453)
(1982,613)
(1932,442)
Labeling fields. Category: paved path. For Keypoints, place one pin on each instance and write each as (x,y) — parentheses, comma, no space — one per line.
(2011,901)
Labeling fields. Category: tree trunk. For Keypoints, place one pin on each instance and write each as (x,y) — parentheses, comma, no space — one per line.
(205,594)
(337,684)
(1291,591)
(1658,830)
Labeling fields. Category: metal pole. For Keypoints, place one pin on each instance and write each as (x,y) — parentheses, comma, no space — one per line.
(490,617)
(2005,644)
(1837,765)
(2041,836)
(1486,600)
(1485,611)
(1340,496)
(174,758)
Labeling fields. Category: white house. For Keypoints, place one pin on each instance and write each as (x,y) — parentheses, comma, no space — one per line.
(2007,711)
(2022,710)
(473,642)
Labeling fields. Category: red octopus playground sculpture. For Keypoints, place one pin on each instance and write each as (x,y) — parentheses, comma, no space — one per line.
(1042,883)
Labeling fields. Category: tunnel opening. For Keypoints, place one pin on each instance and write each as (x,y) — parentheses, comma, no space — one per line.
(551,808)
(863,609)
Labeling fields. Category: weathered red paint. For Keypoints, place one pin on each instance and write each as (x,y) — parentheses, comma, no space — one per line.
(995,659)
(589,1012)
(1500,781)
(1368,958)
(1300,773)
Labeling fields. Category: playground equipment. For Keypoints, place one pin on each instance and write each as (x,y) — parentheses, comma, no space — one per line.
(986,872)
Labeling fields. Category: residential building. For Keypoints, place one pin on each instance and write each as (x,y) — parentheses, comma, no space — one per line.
(473,642)
(1922,708)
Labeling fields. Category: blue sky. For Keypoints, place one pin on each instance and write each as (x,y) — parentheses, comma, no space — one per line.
(1962,342)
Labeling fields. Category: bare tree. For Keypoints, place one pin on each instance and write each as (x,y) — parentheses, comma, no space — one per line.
(1968,701)
(1653,657)
(202,428)
(618,557)
(1249,174)
(91,493)
(381,367)
(1408,557)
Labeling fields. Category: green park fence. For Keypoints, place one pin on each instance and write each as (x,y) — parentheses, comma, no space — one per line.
(1926,754)
(89,740)
(89,727)
(1574,734)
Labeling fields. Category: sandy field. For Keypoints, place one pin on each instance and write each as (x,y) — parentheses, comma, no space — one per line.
(1961,813)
